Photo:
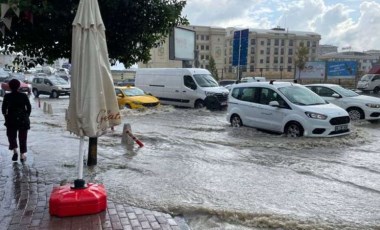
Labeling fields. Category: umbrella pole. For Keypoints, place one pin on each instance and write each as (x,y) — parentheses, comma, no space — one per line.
(79,183)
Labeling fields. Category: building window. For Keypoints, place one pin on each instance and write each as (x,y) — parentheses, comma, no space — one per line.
(268,42)
(252,59)
(314,44)
(197,37)
(282,51)
(281,60)
(261,51)
(289,68)
(275,60)
(253,42)
(207,57)
(282,42)
(252,50)
(275,51)
(308,43)
(268,51)
(202,57)
(262,43)
(268,60)
(290,52)
(207,37)
(276,42)
(202,37)
(261,61)
(290,42)
(202,47)
(251,68)
(290,60)
(207,47)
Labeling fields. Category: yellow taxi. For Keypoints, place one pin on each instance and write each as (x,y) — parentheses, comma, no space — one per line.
(134,98)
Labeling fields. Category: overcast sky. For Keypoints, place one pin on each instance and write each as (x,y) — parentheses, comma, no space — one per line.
(344,23)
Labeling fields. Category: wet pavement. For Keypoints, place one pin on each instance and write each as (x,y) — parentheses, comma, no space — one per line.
(24,204)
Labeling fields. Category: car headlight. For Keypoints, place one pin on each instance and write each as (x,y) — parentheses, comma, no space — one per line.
(316,115)
(59,88)
(376,106)
(209,93)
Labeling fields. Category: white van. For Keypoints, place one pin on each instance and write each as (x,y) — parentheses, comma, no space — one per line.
(185,87)
(250,79)
(285,107)
(369,82)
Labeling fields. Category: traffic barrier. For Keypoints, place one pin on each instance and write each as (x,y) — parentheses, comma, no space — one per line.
(134,138)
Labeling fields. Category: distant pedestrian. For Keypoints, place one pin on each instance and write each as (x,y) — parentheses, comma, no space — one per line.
(16,109)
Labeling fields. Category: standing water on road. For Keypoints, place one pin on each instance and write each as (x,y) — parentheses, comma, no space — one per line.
(219,177)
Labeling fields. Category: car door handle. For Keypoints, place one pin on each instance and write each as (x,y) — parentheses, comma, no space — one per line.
(267,113)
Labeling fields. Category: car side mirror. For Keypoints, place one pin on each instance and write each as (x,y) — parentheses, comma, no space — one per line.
(120,95)
(335,95)
(274,104)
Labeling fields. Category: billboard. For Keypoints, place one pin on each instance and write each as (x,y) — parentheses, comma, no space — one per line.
(181,44)
(240,47)
(341,69)
(312,70)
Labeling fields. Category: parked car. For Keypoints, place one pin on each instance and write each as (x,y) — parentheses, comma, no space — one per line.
(369,82)
(226,82)
(63,73)
(134,98)
(357,106)
(285,107)
(50,85)
(126,82)
(24,87)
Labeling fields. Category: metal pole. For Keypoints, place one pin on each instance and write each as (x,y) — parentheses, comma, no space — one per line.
(238,68)
(92,151)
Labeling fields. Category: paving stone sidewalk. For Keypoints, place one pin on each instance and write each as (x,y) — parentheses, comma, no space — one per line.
(24,204)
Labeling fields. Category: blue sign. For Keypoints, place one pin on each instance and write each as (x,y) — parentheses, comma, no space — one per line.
(240,47)
(341,69)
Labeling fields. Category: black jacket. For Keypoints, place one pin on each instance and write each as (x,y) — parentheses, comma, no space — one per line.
(16,109)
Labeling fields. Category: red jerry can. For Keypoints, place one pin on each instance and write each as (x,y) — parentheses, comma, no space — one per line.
(68,201)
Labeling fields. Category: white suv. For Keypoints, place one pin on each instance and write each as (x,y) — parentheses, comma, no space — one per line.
(285,107)
(50,85)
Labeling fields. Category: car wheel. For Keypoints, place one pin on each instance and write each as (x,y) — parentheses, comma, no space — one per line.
(355,114)
(294,129)
(54,94)
(236,121)
(36,93)
(376,90)
(127,106)
(199,104)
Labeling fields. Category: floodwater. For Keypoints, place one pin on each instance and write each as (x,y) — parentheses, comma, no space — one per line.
(195,165)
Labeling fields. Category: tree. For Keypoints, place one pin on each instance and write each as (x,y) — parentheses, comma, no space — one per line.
(133,28)
(212,68)
(301,58)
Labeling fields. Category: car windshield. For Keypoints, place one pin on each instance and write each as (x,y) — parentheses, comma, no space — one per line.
(133,92)
(301,95)
(205,80)
(366,78)
(343,91)
(58,81)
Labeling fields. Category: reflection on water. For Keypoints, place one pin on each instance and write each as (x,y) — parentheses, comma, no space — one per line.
(218,177)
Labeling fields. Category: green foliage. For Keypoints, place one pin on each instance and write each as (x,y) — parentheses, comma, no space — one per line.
(212,68)
(133,28)
(301,56)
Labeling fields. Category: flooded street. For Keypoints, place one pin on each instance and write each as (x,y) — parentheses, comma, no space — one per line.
(218,177)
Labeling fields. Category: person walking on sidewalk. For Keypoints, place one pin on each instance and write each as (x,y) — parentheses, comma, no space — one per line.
(16,109)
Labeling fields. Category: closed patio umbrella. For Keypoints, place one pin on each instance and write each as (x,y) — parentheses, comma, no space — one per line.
(93,105)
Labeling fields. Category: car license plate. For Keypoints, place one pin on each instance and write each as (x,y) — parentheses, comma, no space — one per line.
(341,127)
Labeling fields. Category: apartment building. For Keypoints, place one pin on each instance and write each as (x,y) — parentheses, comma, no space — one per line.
(270,53)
